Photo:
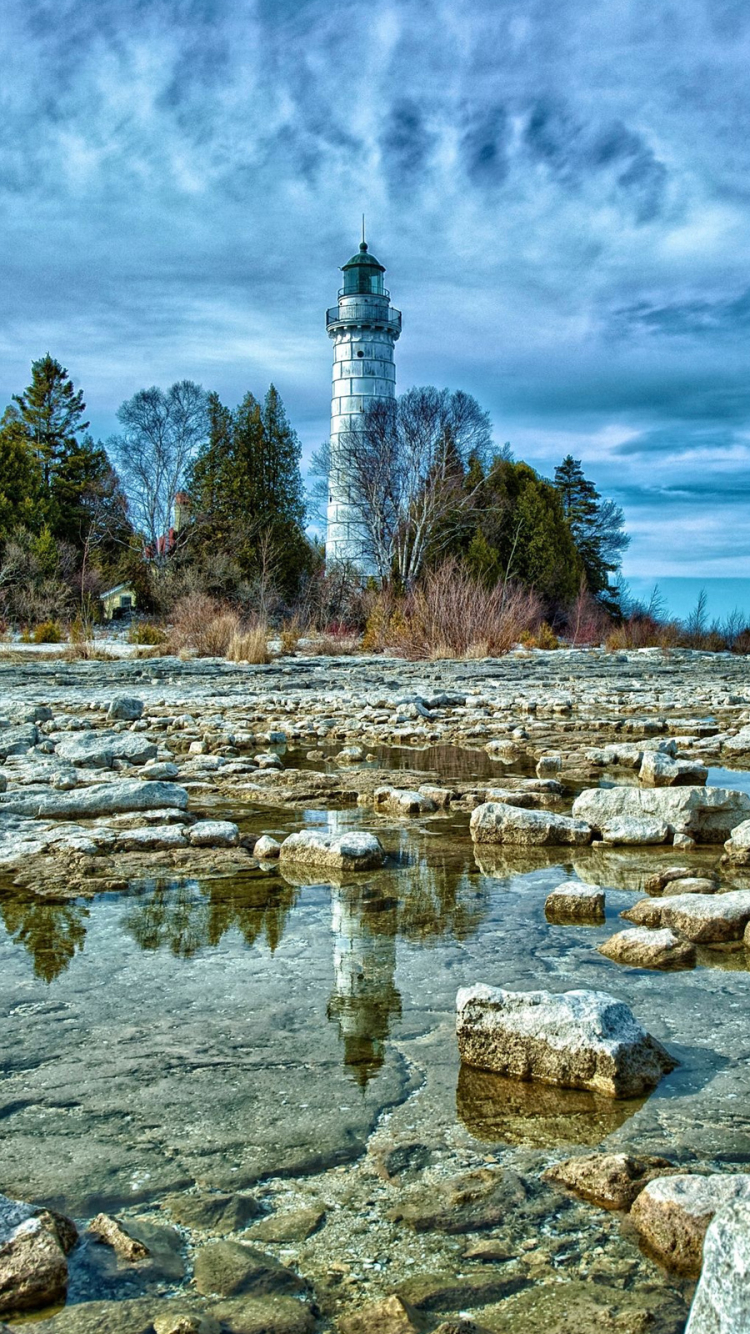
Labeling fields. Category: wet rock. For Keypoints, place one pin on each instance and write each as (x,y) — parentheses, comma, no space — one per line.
(658,770)
(391,1316)
(349,852)
(398,801)
(214,834)
(575,902)
(496,822)
(110,1232)
(517,1111)
(722,1301)
(490,1251)
(99,750)
(708,919)
(737,846)
(656,883)
(468,1203)
(33,1264)
(445,1291)
(707,814)
(232,1269)
(112,798)
(611,1180)
(579,1307)
(215,1213)
(549,766)
(630,831)
(402,1161)
(296,1225)
(692,884)
(160,771)
(125,708)
(579,1039)
(186,1323)
(264,1315)
(123,1317)
(152,838)
(266,848)
(641,948)
(672,1214)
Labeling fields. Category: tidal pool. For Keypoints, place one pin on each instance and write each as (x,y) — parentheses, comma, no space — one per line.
(272,1031)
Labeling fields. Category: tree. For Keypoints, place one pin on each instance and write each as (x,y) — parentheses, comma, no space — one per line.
(406,467)
(160,436)
(596,526)
(21,480)
(52,412)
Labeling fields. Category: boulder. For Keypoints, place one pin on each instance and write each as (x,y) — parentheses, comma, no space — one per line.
(112,798)
(672,1215)
(159,771)
(231,1269)
(110,1232)
(391,1316)
(575,902)
(125,708)
(577,1039)
(18,740)
(348,852)
(99,750)
(722,1300)
(549,766)
(266,848)
(737,846)
(657,882)
(612,1180)
(692,884)
(400,801)
(706,919)
(214,834)
(641,948)
(33,1247)
(659,770)
(634,831)
(707,814)
(496,822)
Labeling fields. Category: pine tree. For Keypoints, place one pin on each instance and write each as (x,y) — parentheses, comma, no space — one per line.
(52,412)
(21,487)
(596,526)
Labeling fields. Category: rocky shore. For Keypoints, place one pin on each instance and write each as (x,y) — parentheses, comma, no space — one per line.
(221,1170)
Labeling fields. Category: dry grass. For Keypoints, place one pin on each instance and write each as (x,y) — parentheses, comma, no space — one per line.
(334,644)
(205,628)
(290,635)
(451,615)
(249,645)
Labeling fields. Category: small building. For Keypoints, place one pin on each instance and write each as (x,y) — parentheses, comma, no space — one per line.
(118,601)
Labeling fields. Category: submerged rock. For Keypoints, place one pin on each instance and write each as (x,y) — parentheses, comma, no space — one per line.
(33,1264)
(217,1212)
(579,1039)
(391,1316)
(231,1269)
(110,1232)
(672,1215)
(641,948)
(348,852)
(467,1203)
(722,1301)
(496,822)
(612,1180)
(575,902)
(296,1225)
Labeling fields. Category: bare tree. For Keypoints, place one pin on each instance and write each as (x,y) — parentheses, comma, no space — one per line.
(411,470)
(161,434)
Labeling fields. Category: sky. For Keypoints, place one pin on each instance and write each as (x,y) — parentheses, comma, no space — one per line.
(560,194)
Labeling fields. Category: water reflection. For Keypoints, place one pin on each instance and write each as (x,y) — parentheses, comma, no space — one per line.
(184,916)
(51,933)
(365,999)
(514,1111)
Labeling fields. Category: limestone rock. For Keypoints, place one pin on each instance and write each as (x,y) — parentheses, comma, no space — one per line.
(549,766)
(577,1039)
(612,1180)
(658,770)
(266,848)
(264,1315)
(99,750)
(707,814)
(391,1316)
(657,882)
(214,834)
(575,902)
(672,1214)
(113,798)
(108,1230)
(296,1225)
(215,1213)
(18,740)
(579,1306)
(496,822)
(125,708)
(691,884)
(708,918)
(186,1323)
(152,838)
(629,830)
(400,801)
(33,1267)
(722,1301)
(231,1269)
(641,948)
(737,846)
(348,852)
(159,771)
(467,1203)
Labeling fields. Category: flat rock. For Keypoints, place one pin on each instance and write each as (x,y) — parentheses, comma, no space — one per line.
(402,801)
(708,918)
(295,1225)
(391,1316)
(577,1039)
(722,1301)
(496,822)
(348,852)
(659,770)
(231,1269)
(152,838)
(654,884)
(264,1315)
(185,1322)
(611,1180)
(575,902)
(468,1203)
(214,834)
(641,948)
(707,814)
(99,750)
(691,884)
(633,831)
(111,798)
(672,1215)
(579,1306)
(217,1212)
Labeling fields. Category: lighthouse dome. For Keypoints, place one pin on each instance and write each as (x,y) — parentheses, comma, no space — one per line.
(363,274)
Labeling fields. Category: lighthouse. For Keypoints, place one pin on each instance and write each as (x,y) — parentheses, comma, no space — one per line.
(363,327)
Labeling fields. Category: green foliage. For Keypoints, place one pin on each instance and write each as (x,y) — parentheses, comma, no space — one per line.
(596,526)
(52,412)
(21,481)
(246,490)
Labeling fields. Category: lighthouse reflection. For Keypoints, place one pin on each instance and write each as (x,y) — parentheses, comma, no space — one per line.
(365,999)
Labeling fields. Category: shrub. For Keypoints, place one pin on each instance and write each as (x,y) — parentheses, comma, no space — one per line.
(249,645)
(290,635)
(452,615)
(47,632)
(334,645)
(147,632)
(203,626)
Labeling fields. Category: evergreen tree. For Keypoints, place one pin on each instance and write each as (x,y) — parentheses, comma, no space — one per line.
(21,488)
(596,526)
(52,412)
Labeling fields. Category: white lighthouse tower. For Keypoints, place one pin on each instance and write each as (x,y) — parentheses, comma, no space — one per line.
(364,327)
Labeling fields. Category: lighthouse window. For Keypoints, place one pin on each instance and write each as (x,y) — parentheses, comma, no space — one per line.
(360,354)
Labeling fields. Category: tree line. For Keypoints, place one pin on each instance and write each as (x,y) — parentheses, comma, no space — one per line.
(194,496)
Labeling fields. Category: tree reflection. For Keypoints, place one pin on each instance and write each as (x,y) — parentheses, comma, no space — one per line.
(185,916)
(51,933)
